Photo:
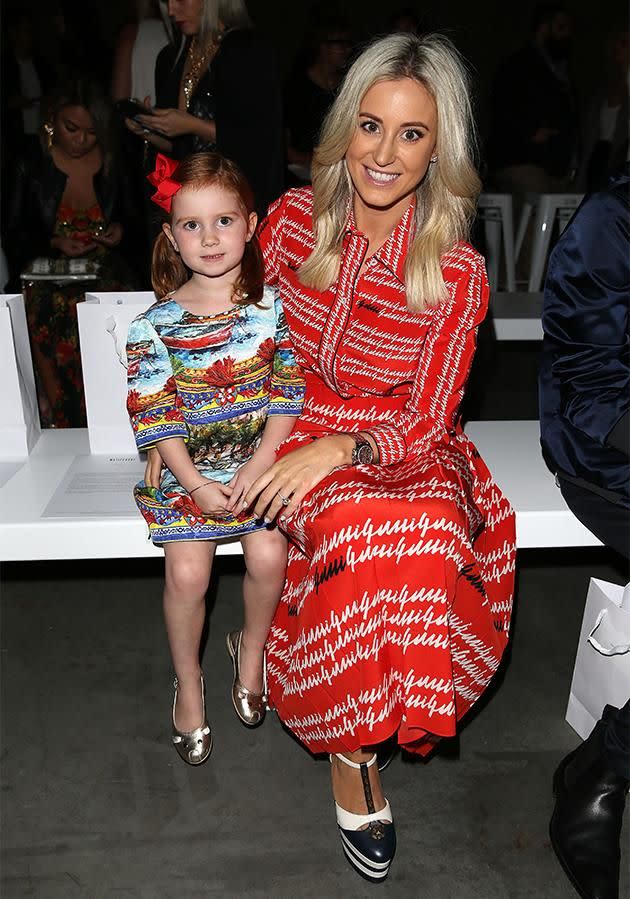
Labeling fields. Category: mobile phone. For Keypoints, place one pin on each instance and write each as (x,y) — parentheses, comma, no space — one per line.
(130,108)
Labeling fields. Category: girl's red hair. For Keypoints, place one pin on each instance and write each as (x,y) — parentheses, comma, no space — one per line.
(168,271)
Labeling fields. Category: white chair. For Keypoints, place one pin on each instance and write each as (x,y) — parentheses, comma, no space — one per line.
(495,210)
(548,208)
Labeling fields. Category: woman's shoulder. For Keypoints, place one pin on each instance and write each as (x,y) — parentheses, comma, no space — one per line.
(296,203)
(462,257)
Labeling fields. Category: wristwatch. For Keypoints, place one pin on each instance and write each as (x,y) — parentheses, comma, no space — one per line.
(362,452)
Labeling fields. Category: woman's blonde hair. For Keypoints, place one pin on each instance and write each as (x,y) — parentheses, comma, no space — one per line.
(228,13)
(446,196)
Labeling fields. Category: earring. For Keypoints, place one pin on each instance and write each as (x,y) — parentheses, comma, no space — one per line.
(49,130)
(434,159)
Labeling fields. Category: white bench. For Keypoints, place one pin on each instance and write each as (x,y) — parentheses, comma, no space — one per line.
(517,316)
(510,449)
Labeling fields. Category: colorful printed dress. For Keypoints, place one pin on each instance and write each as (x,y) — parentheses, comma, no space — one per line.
(213,380)
(52,314)
(396,608)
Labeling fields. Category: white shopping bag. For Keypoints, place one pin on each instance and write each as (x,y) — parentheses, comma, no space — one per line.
(104,319)
(602,666)
(19,423)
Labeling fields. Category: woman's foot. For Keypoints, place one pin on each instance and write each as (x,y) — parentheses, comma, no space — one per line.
(347,784)
(366,825)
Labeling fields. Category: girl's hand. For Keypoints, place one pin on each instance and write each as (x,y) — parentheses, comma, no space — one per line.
(260,462)
(213,498)
(153,470)
(71,248)
(169,122)
(112,235)
(295,475)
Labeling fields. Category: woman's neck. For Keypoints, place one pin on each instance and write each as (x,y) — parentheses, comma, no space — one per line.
(377,224)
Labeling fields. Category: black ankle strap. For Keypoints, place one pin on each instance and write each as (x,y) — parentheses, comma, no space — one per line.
(367,789)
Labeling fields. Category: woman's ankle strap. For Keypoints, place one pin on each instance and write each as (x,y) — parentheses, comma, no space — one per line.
(346,761)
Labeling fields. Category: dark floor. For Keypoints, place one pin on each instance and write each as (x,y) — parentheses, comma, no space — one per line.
(95,802)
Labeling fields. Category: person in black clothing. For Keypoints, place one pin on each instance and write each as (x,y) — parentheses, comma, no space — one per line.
(533,127)
(585,436)
(68,203)
(311,88)
(219,90)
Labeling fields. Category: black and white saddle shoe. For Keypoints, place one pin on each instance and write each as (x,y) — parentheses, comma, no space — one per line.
(369,849)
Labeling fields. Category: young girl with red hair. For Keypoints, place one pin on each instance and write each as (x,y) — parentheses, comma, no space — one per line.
(214,385)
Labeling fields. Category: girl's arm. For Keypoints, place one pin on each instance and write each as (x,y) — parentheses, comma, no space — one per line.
(211,496)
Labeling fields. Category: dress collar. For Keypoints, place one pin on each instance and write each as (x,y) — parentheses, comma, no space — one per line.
(393,253)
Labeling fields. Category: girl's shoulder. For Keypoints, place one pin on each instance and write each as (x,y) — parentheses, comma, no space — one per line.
(162,312)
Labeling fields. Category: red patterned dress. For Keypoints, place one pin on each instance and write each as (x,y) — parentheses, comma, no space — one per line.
(397,603)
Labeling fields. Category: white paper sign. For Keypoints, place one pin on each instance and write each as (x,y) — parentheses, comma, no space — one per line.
(97,487)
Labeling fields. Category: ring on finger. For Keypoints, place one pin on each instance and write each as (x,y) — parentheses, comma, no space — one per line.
(285,500)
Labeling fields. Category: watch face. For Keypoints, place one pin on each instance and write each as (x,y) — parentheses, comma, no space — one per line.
(364,454)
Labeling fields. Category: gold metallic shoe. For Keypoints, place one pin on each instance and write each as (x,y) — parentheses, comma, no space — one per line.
(196,745)
(250,707)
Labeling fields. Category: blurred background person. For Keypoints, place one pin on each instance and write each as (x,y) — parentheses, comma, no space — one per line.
(312,85)
(533,129)
(137,49)
(607,118)
(66,203)
(219,89)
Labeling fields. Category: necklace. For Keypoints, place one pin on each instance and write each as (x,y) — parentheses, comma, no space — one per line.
(197,60)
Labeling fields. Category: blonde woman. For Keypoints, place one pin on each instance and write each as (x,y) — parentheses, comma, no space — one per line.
(219,89)
(396,607)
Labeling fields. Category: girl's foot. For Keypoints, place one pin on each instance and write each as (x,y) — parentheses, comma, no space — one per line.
(249,704)
(250,666)
(189,712)
(193,744)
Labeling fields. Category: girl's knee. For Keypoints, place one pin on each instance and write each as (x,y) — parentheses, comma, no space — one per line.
(266,558)
(189,577)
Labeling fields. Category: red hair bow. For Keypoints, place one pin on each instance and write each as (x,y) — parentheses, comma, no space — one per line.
(160,177)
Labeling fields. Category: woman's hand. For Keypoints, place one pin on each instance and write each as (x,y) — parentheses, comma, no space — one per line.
(260,462)
(169,122)
(112,235)
(153,469)
(213,498)
(72,248)
(295,475)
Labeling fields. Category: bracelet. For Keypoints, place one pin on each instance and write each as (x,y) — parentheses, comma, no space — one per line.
(198,487)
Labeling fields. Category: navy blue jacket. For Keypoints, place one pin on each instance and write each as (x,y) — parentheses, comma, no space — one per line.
(585,369)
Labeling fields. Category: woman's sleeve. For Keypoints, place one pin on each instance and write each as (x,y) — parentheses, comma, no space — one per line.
(269,236)
(438,387)
(287,382)
(153,403)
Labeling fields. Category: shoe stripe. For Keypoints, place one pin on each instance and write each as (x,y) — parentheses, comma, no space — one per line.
(367,872)
(378,866)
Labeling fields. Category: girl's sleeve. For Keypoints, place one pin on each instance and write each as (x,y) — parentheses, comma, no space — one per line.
(287,382)
(440,380)
(153,404)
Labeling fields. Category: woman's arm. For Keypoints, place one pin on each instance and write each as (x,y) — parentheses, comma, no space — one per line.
(121,70)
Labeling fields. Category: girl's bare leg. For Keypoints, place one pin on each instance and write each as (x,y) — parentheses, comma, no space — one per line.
(266,561)
(188,567)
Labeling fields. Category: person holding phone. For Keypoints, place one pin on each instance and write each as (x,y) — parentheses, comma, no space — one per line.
(66,203)
(218,90)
